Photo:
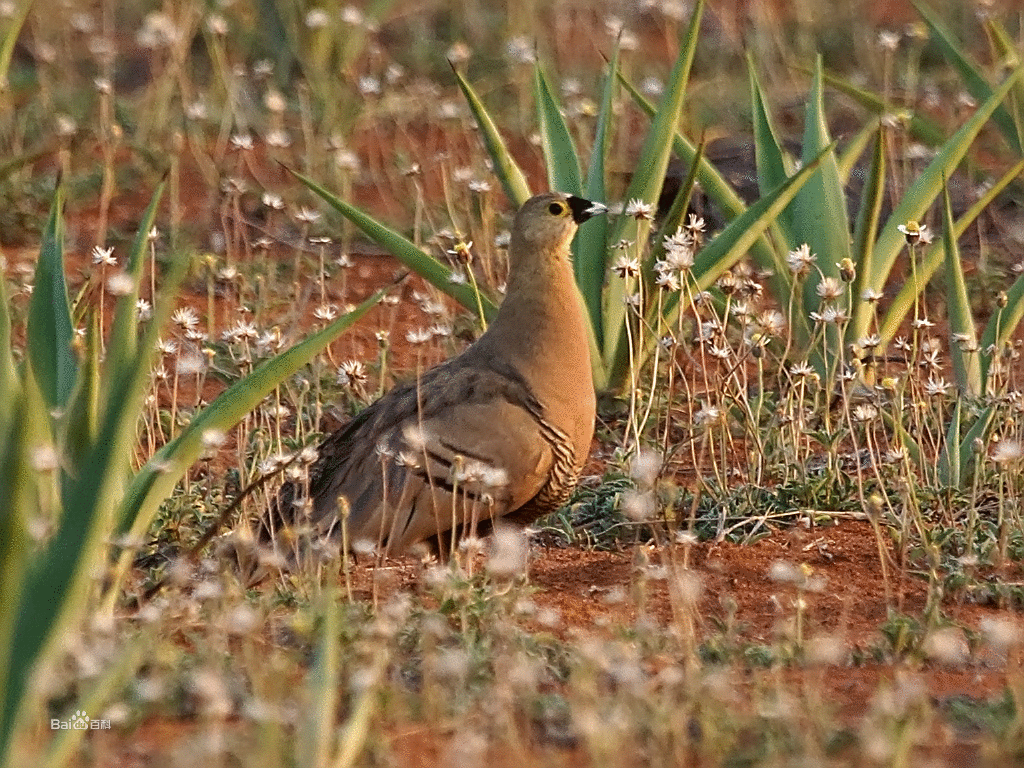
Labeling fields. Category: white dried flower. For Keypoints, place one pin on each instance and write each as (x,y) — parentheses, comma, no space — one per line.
(625,266)
(947,645)
(802,369)
(645,467)
(1007,451)
(44,458)
(1001,632)
(242,141)
(638,506)
(936,387)
(865,412)
(120,284)
(104,256)
(185,317)
(351,373)
(786,572)
(317,18)
(829,288)
(801,260)
(418,335)
(306,215)
(325,312)
(708,414)
(509,552)
(352,15)
(888,40)
(639,210)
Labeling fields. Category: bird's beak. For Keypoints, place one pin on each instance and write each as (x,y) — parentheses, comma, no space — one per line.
(584,209)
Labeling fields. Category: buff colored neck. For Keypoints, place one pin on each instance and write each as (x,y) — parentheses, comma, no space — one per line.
(541,329)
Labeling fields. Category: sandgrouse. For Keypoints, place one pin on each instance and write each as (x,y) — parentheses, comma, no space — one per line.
(501,430)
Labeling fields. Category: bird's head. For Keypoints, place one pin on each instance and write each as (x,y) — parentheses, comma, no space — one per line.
(546,223)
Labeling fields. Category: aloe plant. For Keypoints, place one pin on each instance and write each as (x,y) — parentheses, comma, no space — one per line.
(614,348)
(64,452)
(14,25)
(67,432)
(874,254)
(876,246)
(1004,106)
(802,203)
(971,74)
(817,217)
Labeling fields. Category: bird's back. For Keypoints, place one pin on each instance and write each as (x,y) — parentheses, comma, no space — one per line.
(466,442)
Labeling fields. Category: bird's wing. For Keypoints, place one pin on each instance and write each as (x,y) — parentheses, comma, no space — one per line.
(463,445)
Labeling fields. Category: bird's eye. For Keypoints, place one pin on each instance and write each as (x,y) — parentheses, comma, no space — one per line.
(556,209)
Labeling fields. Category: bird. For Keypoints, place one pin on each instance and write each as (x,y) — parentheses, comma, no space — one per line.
(501,430)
